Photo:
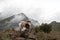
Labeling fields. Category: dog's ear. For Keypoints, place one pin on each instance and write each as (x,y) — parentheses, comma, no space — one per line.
(21,24)
(29,22)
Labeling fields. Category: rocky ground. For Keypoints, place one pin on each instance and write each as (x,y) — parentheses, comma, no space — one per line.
(15,35)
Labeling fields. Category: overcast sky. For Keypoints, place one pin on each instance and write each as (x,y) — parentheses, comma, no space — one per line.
(41,10)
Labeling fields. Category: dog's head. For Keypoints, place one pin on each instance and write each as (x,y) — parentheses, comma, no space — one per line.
(28,22)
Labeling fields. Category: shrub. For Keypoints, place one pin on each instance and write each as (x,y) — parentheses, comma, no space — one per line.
(46,28)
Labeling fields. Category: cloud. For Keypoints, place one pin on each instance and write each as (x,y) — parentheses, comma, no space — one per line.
(41,10)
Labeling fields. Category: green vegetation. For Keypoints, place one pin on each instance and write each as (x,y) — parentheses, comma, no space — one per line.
(42,30)
(46,28)
(55,26)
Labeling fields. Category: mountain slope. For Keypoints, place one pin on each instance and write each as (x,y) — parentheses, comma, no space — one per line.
(34,22)
(5,22)
(55,25)
(13,21)
(18,18)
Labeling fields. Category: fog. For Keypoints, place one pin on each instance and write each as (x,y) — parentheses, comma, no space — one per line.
(44,11)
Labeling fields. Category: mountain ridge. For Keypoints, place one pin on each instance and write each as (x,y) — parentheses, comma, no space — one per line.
(55,25)
(14,20)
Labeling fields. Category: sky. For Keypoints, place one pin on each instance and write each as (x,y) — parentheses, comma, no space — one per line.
(45,11)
